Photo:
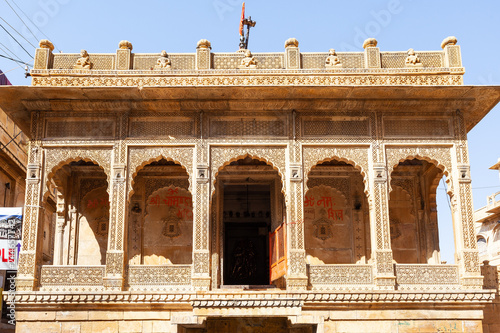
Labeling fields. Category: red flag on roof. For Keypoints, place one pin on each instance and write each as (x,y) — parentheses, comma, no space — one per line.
(242,18)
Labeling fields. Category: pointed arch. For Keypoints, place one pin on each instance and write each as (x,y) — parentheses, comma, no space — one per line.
(273,156)
(136,168)
(53,168)
(355,156)
(440,157)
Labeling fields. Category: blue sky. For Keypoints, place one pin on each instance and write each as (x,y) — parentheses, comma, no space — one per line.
(176,26)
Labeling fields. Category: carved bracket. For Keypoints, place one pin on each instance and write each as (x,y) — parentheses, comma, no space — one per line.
(464,173)
(379,173)
(296,174)
(33,172)
(202,175)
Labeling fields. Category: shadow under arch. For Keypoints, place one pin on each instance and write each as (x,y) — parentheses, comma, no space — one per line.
(132,176)
(358,167)
(52,174)
(437,164)
(242,157)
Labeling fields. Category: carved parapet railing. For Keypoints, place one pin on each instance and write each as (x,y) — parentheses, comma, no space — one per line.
(72,278)
(160,277)
(427,277)
(100,61)
(179,61)
(340,277)
(233,60)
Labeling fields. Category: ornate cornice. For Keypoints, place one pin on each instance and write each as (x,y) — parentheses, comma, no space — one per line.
(248,299)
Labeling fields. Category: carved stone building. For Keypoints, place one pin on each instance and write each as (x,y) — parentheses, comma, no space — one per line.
(234,192)
(487,224)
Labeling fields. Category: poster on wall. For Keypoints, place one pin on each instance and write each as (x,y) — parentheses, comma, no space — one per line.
(11,220)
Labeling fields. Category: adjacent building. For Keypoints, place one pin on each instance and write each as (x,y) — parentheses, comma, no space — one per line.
(235,192)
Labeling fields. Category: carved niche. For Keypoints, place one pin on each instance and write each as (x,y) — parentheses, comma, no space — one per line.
(168,227)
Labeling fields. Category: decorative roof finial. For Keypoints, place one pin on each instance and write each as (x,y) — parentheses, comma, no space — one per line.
(249,23)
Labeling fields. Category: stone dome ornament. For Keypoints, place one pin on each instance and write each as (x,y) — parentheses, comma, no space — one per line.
(46,44)
(125,44)
(291,42)
(204,44)
(370,42)
(450,40)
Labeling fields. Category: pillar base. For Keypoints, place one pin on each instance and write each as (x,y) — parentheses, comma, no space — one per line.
(385,282)
(113,283)
(296,283)
(25,284)
(201,283)
(472,282)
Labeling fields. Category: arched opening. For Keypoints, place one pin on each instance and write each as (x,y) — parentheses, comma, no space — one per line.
(336,215)
(413,212)
(246,207)
(76,215)
(482,247)
(160,221)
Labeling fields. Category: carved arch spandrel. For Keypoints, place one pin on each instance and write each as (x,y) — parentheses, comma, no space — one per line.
(222,156)
(438,156)
(57,158)
(139,157)
(355,156)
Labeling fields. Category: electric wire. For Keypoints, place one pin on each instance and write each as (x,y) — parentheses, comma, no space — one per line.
(9,52)
(21,62)
(18,32)
(10,70)
(35,25)
(15,39)
(13,69)
(21,20)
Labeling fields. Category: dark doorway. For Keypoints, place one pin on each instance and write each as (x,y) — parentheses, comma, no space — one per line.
(247,220)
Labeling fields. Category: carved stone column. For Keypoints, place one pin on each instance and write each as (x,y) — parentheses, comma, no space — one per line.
(297,271)
(31,252)
(115,255)
(201,254)
(115,258)
(467,255)
(379,222)
(59,230)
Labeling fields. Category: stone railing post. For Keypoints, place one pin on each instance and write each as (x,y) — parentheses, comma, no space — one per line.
(292,54)
(203,60)
(452,56)
(372,54)
(123,55)
(43,55)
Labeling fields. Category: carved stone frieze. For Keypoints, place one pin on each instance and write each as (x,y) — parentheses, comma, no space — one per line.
(159,275)
(64,79)
(427,274)
(62,278)
(340,275)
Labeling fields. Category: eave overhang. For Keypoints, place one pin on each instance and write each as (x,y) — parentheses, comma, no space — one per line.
(474,102)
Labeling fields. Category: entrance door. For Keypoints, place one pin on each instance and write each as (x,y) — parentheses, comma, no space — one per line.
(247,221)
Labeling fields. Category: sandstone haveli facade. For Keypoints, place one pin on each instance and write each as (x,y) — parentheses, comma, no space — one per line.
(215,192)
